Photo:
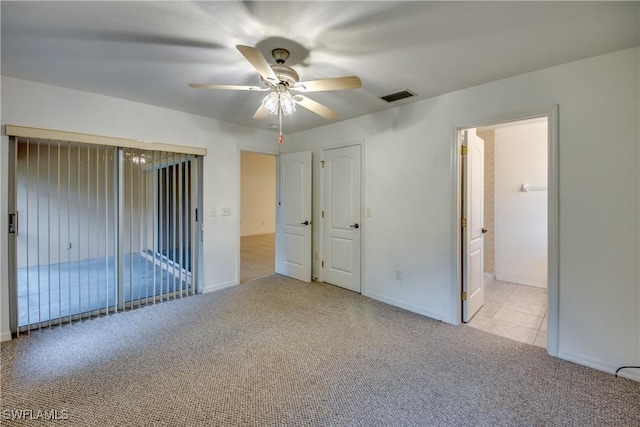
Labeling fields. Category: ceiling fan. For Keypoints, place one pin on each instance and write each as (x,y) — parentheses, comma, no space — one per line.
(280,80)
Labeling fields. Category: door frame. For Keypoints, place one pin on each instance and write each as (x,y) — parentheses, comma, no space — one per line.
(553,272)
(320,276)
(269,152)
(12,247)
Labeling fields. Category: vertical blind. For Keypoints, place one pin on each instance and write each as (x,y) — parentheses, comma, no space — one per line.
(99,228)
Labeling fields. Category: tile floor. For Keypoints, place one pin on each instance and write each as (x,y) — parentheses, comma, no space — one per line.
(514,311)
(257,256)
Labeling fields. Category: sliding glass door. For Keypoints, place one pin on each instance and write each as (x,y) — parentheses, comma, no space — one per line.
(97,229)
(174,223)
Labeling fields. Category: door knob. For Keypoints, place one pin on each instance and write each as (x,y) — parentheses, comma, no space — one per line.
(356,225)
(484,230)
(304,223)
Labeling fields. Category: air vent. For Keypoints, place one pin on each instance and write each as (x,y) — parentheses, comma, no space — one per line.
(398,96)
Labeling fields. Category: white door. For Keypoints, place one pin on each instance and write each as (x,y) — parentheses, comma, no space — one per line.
(473,232)
(293,225)
(342,223)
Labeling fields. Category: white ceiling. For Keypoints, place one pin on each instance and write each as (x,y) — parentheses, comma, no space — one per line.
(149,51)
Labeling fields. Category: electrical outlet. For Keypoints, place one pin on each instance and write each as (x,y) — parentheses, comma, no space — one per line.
(398,274)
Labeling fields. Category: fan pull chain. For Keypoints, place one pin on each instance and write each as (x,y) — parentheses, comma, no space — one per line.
(280,138)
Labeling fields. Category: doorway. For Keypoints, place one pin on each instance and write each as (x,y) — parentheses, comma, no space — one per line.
(508,263)
(257,215)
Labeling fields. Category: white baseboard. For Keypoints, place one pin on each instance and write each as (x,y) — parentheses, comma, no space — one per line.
(600,365)
(5,336)
(521,280)
(212,288)
(408,307)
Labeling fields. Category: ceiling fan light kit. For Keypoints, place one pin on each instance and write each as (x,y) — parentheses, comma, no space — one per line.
(280,79)
(279,99)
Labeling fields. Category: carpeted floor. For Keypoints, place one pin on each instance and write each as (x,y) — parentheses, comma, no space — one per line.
(276,351)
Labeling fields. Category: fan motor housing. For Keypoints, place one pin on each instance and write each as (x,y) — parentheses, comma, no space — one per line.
(286,74)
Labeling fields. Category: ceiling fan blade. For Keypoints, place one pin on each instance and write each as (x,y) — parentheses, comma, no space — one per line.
(259,62)
(227,87)
(316,107)
(336,83)
(260,113)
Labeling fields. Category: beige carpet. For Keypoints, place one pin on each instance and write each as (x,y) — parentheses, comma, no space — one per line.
(276,351)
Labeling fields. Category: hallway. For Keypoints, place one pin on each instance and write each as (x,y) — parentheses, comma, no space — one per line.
(257,256)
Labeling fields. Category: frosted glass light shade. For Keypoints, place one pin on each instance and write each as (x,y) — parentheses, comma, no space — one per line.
(271,103)
(287,103)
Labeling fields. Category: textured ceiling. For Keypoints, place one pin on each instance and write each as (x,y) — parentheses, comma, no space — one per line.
(149,51)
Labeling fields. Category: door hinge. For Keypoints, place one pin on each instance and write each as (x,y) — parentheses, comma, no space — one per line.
(464,150)
(463,223)
(322,163)
(196,215)
(322,214)
(464,296)
(322,264)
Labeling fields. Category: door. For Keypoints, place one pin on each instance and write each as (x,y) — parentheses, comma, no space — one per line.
(91,237)
(293,230)
(342,223)
(472,231)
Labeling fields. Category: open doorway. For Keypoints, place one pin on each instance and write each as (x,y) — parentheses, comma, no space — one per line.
(257,215)
(509,250)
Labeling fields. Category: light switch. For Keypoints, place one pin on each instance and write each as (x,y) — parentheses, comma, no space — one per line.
(212,212)
(226,211)
(367,212)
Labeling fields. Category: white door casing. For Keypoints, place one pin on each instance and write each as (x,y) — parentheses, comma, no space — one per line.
(342,224)
(293,223)
(472,231)
(553,269)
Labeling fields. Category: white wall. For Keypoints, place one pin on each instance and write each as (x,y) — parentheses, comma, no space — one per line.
(409,188)
(258,194)
(33,104)
(521,217)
